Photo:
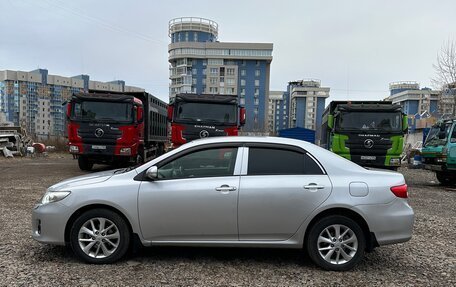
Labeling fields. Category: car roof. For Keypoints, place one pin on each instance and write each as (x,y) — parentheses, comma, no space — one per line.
(258,139)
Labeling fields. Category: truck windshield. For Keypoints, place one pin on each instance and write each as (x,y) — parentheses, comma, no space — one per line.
(369,121)
(103,111)
(206,113)
(433,139)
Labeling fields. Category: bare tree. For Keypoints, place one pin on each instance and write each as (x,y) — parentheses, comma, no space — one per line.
(445,71)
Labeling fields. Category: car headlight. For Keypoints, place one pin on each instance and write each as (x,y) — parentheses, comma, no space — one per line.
(53,196)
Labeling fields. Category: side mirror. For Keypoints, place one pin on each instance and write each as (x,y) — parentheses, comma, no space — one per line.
(68,110)
(330,122)
(404,123)
(242,116)
(170,113)
(152,172)
(139,114)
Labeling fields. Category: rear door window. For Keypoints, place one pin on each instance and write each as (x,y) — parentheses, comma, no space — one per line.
(280,161)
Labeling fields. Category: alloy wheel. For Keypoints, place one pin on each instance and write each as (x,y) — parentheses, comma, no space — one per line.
(337,244)
(99,237)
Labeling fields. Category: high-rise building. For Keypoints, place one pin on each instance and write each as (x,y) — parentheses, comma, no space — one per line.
(199,64)
(34,99)
(301,105)
(412,99)
(275,100)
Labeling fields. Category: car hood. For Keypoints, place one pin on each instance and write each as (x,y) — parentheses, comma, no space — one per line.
(82,180)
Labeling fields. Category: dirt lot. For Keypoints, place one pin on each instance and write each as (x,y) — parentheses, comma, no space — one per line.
(428,259)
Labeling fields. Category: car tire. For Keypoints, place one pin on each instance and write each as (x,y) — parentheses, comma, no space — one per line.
(336,243)
(445,179)
(84,164)
(99,236)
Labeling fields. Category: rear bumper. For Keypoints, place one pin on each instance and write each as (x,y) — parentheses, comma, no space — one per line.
(391,223)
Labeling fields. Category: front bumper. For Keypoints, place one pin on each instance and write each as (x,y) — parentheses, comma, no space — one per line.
(391,223)
(434,167)
(48,223)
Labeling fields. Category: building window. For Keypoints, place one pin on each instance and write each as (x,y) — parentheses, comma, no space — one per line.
(257,83)
(257,73)
(222,90)
(195,37)
(214,71)
(257,92)
(242,82)
(230,71)
(204,81)
(230,81)
(242,101)
(213,80)
(204,72)
(215,62)
(243,72)
(213,90)
(194,71)
(242,91)
(257,63)
(243,63)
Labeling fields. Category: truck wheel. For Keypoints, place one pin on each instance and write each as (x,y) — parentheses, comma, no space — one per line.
(84,163)
(336,243)
(445,178)
(100,236)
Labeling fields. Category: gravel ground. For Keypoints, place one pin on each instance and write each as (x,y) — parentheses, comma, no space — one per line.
(428,259)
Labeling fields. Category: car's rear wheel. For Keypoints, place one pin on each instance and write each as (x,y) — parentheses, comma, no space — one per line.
(336,243)
(100,236)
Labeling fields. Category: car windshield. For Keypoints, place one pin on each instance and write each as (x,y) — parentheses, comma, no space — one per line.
(206,113)
(370,121)
(103,111)
(433,139)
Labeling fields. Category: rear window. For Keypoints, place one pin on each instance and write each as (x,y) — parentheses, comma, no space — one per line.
(277,161)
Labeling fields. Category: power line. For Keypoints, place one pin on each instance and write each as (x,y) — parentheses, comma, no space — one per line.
(80,13)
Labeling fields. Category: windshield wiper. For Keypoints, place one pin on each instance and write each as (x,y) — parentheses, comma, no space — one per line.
(124,170)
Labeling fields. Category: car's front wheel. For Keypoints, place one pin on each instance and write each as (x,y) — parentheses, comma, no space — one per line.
(100,236)
(336,243)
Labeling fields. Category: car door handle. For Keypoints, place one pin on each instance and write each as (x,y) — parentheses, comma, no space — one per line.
(313,186)
(225,188)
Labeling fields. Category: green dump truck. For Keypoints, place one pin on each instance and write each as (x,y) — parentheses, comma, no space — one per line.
(439,151)
(369,133)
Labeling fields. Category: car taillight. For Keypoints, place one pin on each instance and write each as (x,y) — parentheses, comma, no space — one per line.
(400,191)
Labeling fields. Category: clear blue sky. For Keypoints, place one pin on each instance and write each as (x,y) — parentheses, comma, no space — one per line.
(355,47)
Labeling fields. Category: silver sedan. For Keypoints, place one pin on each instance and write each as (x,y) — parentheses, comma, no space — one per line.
(233,192)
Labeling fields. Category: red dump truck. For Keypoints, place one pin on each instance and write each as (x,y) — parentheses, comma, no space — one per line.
(194,116)
(116,128)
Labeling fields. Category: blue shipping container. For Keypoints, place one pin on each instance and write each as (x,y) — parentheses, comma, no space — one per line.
(299,134)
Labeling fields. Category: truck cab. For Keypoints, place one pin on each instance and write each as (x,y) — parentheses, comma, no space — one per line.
(369,133)
(439,151)
(194,116)
(115,128)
